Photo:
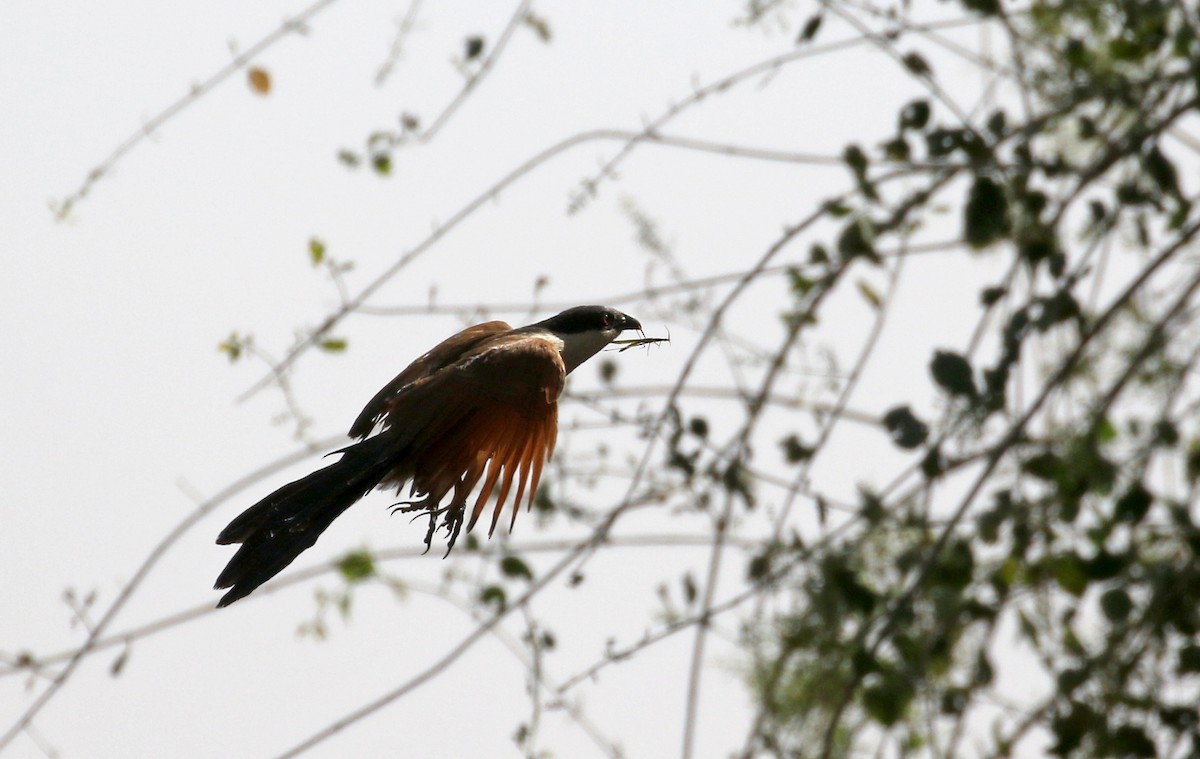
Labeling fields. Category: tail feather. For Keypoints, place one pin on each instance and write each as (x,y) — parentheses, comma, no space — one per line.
(277,529)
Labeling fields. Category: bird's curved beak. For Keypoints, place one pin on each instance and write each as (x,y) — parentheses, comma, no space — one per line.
(628,322)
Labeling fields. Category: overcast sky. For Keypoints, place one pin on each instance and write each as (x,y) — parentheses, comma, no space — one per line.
(119,411)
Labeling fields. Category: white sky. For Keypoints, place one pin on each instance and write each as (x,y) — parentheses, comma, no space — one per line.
(113,391)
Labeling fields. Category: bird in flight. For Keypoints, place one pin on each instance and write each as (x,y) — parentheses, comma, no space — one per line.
(481,406)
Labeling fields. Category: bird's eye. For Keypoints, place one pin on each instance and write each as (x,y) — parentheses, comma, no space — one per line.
(608,320)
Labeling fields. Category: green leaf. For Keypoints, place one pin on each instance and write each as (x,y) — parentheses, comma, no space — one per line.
(872,509)
(836,208)
(933,464)
(357,566)
(991,296)
(869,295)
(1071,573)
(1037,244)
(1028,629)
(795,451)
(608,371)
(1105,565)
(1131,741)
(989,523)
(1045,466)
(984,673)
(382,163)
(1077,55)
(955,567)
(996,122)
(888,700)
(118,664)
(493,595)
(863,662)
(800,284)
(737,480)
(1161,171)
(1070,679)
(917,65)
(1086,470)
(1116,604)
(1189,660)
(1071,728)
(942,142)
(985,216)
(952,372)
(1192,461)
(915,115)
(811,27)
(843,581)
(897,149)
(232,347)
(316,251)
(953,701)
(983,7)
(514,566)
(539,25)
(685,463)
(1055,310)
(759,567)
(856,159)
(1165,433)
(1133,504)
(689,589)
(332,345)
(856,240)
(907,430)
(543,501)
(473,47)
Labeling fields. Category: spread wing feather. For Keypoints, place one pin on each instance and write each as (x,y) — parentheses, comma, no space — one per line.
(481,406)
(493,417)
(445,353)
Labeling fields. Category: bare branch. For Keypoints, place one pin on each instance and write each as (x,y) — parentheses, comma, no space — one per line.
(404,27)
(135,582)
(297,24)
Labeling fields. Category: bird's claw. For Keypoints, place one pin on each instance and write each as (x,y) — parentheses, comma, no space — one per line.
(452,521)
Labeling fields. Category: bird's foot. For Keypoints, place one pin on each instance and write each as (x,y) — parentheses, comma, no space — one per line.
(453,522)
(428,505)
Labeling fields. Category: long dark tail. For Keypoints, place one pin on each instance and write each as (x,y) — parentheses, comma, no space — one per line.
(277,529)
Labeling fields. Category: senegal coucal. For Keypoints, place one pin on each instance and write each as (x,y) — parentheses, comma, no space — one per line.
(481,406)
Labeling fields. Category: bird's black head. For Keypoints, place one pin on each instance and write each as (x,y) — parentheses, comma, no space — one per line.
(590,319)
(584,330)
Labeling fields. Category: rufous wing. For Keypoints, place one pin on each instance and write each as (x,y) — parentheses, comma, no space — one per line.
(444,354)
(490,419)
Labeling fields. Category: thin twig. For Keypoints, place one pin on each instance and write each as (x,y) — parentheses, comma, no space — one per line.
(704,620)
(1010,438)
(63,208)
(485,68)
(442,663)
(648,292)
(404,28)
(20,665)
(589,186)
(138,576)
